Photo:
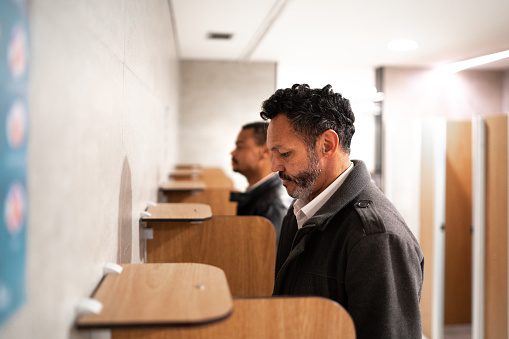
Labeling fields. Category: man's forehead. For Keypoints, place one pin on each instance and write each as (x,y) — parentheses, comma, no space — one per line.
(280,128)
(245,136)
(283,139)
(246,133)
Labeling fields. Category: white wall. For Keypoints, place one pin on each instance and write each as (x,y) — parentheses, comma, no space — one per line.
(217,98)
(355,84)
(413,94)
(103,133)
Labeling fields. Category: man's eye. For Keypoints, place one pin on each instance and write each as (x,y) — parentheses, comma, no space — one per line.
(284,155)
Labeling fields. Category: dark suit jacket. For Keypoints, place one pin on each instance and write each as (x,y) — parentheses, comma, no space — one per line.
(266,200)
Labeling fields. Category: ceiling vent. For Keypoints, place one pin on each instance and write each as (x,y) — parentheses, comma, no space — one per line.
(219,36)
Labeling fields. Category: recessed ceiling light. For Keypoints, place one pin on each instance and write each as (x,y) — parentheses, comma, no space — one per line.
(402,45)
(219,36)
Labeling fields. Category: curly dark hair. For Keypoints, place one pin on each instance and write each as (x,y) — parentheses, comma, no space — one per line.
(313,111)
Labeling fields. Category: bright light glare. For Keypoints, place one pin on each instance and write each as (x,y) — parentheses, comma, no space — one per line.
(402,45)
(461,65)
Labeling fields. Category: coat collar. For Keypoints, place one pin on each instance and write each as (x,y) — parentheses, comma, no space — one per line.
(356,181)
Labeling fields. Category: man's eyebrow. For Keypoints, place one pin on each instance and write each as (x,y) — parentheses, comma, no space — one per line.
(276,147)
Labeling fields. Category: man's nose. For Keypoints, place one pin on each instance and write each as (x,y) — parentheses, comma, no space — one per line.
(276,165)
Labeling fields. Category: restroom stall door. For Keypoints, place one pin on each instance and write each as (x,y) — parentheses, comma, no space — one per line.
(432,218)
(458,223)
(478,224)
(496,223)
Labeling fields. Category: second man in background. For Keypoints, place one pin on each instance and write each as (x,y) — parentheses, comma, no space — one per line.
(265,195)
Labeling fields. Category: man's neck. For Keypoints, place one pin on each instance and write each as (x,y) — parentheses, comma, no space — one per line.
(336,169)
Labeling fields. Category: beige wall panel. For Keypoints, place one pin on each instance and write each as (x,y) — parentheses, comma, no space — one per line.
(412,94)
(149,49)
(217,98)
(143,142)
(427,232)
(92,164)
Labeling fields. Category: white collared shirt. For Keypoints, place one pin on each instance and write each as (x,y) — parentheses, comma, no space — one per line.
(304,209)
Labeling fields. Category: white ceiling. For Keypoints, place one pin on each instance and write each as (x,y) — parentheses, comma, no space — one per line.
(348,33)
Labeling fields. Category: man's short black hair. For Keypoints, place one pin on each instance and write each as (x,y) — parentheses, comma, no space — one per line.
(313,111)
(259,131)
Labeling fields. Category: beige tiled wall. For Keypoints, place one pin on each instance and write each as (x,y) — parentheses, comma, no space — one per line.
(217,98)
(103,134)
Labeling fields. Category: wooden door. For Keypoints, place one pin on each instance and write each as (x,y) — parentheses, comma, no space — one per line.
(458,222)
(496,223)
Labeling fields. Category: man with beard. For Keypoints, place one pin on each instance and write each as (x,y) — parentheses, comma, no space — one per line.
(265,195)
(342,238)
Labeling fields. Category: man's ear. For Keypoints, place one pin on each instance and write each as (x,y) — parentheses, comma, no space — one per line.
(329,143)
(264,152)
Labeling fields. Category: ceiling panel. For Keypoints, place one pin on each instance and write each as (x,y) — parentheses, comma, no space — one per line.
(196,18)
(349,33)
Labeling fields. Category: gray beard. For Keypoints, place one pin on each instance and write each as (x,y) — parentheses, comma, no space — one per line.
(305,181)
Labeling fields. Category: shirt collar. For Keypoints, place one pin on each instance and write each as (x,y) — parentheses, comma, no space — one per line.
(304,210)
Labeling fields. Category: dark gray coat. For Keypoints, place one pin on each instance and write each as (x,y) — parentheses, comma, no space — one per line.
(358,251)
(266,200)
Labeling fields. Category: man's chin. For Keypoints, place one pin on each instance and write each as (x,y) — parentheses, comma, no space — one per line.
(298,192)
(290,187)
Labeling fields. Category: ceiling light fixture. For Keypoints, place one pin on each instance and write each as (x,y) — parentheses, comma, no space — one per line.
(402,45)
(461,65)
(219,36)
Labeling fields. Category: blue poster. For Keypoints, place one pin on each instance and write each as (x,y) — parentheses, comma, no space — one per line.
(14,63)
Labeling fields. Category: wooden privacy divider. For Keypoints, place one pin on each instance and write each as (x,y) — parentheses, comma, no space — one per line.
(458,223)
(183,185)
(496,227)
(446,220)
(200,185)
(186,174)
(488,169)
(178,212)
(215,178)
(188,166)
(190,191)
(212,177)
(161,294)
(244,247)
(264,318)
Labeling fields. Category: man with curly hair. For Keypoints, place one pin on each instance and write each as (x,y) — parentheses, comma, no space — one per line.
(341,238)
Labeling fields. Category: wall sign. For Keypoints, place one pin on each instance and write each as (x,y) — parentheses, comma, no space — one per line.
(14,62)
